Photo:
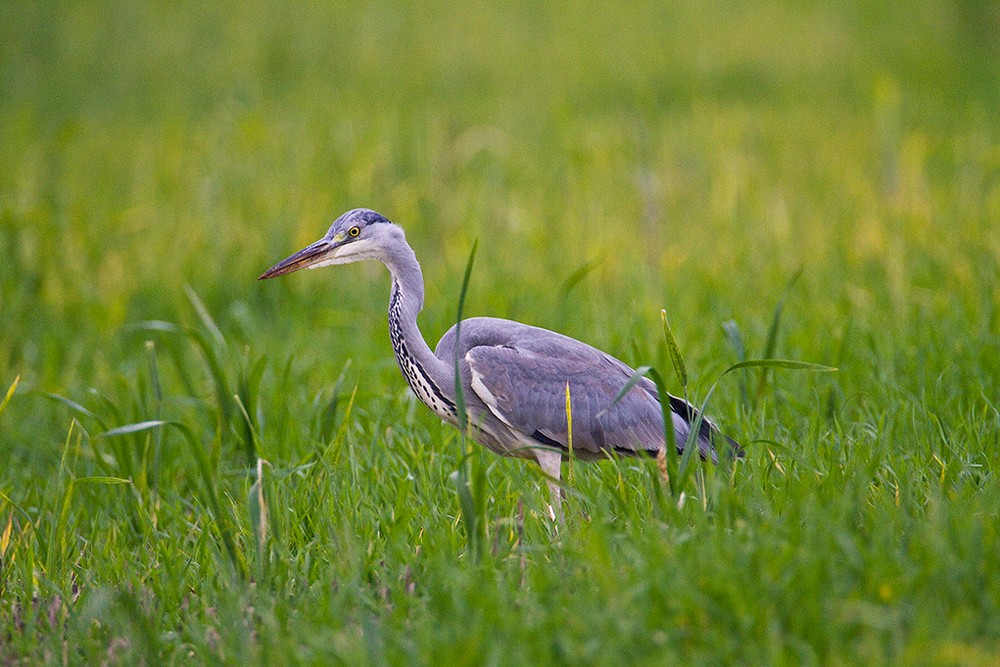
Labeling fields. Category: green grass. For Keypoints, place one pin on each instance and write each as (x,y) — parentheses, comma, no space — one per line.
(198,467)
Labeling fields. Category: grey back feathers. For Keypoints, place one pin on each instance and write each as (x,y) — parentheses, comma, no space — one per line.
(521,374)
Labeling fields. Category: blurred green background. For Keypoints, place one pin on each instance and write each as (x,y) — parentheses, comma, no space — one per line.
(694,154)
(611,160)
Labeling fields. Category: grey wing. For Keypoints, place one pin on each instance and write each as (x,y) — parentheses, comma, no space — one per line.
(526,389)
(520,373)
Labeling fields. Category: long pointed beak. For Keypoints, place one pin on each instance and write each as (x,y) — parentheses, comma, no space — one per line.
(303,259)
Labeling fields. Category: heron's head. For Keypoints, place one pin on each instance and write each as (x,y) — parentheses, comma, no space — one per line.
(354,236)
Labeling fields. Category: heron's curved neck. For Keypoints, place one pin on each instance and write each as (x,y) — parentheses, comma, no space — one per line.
(407,292)
(415,358)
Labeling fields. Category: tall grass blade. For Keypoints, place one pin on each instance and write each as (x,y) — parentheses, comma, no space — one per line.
(463,487)
(670,436)
(253,440)
(735,338)
(76,407)
(633,379)
(55,527)
(462,476)
(459,395)
(154,376)
(246,398)
(25,516)
(342,431)
(772,333)
(569,432)
(577,276)
(675,352)
(10,393)
(257,503)
(206,318)
(154,372)
(5,536)
(328,416)
(217,375)
(249,432)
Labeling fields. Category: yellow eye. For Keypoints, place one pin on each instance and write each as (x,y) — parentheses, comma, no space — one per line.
(353,232)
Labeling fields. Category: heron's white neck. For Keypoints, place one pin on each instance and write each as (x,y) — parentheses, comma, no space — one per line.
(426,374)
(407,285)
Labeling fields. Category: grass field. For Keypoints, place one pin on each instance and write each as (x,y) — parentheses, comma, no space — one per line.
(196,467)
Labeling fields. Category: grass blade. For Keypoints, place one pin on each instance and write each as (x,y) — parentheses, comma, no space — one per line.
(216,374)
(246,399)
(76,407)
(328,415)
(257,505)
(569,432)
(675,352)
(102,479)
(206,318)
(633,379)
(735,338)
(252,439)
(154,325)
(154,375)
(468,505)
(787,364)
(669,463)
(5,536)
(134,428)
(10,393)
(669,434)
(473,521)
(772,333)
(459,397)
(577,276)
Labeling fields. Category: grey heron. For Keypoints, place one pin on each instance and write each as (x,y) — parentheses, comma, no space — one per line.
(514,376)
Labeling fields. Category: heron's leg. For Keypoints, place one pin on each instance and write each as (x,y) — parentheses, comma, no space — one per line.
(551,463)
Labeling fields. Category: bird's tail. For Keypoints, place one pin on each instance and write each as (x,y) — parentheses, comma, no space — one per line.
(708,432)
